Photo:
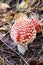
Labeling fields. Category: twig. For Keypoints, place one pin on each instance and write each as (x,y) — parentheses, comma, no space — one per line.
(7,60)
(15,52)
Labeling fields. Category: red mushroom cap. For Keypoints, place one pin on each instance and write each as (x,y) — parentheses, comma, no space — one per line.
(35,21)
(23,31)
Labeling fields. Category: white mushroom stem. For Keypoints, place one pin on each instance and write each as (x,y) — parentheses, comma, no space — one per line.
(22,49)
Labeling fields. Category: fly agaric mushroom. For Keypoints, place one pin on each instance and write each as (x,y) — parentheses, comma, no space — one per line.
(22,33)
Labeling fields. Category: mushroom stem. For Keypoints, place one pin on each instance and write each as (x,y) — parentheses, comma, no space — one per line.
(22,49)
